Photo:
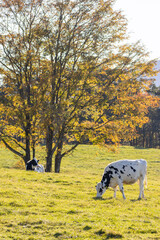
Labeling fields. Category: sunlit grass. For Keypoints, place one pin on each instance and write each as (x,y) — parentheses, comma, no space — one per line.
(63,206)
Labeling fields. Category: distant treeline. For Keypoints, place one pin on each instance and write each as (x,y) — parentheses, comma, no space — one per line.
(149,134)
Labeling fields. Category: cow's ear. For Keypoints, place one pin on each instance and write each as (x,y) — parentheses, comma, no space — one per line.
(37,161)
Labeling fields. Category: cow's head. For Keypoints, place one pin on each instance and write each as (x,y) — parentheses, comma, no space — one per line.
(100,189)
(34,162)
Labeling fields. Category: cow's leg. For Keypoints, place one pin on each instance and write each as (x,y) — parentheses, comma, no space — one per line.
(115,191)
(121,188)
(141,187)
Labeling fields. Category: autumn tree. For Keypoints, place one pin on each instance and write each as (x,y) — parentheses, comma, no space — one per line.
(20,68)
(96,88)
(69,73)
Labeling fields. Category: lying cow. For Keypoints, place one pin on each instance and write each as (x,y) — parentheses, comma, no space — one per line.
(34,166)
(30,165)
(39,168)
(123,171)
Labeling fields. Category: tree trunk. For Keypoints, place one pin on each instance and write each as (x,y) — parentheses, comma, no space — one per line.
(59,155)
(27,157)
(34,151)
(144,138)
(49,162)
(58,158)
(150,139)
(49,140)
(28,134)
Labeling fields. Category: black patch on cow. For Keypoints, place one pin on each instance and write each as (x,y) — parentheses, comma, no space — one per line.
(124,167)
(128,175)
(31,163)
(134,170)
(121,172)
(107,178)
(115,169)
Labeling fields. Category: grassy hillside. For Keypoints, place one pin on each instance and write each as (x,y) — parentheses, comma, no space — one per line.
(63,206)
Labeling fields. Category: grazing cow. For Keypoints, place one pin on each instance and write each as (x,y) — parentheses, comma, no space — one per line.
(123,171)
(32,164)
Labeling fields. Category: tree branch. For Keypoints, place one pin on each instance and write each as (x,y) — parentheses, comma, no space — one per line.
(13,150)
(71,149)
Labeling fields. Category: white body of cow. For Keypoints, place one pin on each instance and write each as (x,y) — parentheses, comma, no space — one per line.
(39,168)
(123,172)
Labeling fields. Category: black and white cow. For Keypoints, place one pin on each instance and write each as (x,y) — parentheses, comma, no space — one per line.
(39,168)
(123,172)
(32,164)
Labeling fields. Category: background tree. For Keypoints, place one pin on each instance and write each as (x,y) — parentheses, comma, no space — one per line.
(96,86)
(149,135)
(20,42)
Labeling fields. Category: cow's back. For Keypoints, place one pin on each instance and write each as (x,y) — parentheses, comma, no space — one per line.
(128,170)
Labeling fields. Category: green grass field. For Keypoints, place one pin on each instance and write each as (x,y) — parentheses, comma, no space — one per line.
(63,206)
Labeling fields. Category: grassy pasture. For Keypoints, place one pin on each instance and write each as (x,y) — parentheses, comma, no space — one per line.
(50,206)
